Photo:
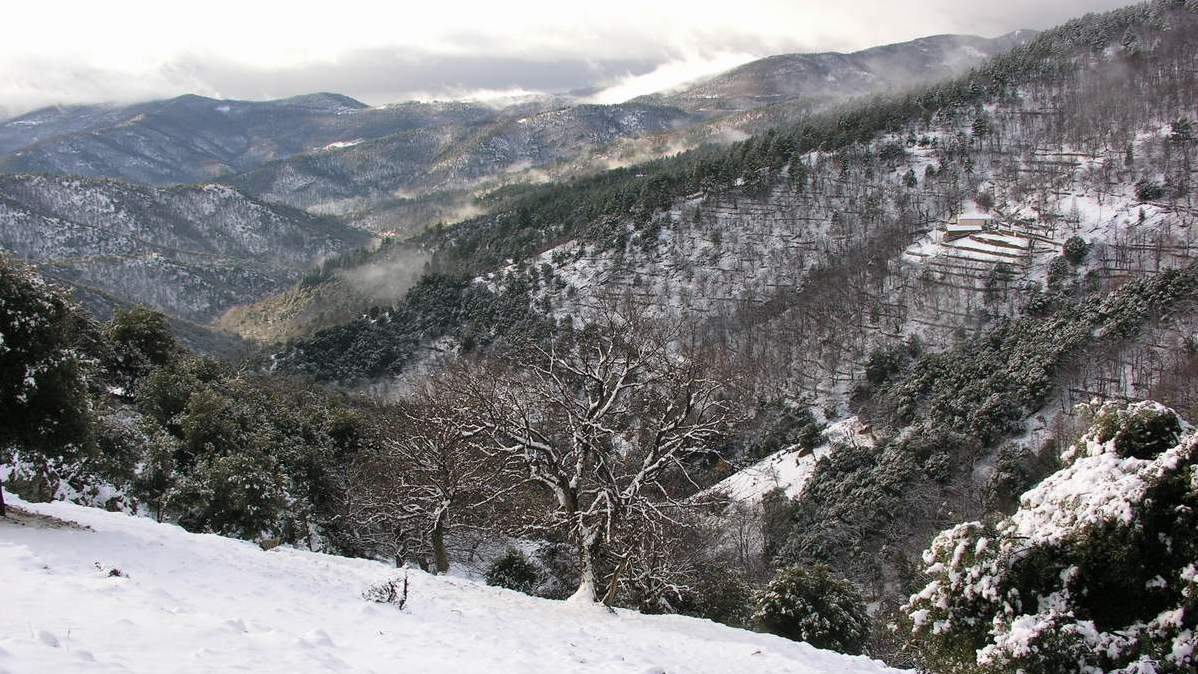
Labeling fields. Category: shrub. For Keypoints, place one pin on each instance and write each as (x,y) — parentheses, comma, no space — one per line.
(1147,190)
(778,425)
(885,362)
(1059,273)
(232,495)
(1094,572)
(810,437)
(1075,250)
(811,605)
(142,340)
(515,572)
(43,372)
(393,591)
(1141,431)
(719,592)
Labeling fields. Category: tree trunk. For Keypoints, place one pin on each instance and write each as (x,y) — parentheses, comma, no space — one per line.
(440,556)
(614,587)
(585,594)
(3,509)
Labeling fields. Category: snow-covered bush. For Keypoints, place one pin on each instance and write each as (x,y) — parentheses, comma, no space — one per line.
(515,572)
(810,604)
(1075,250)
(232,495)
(1097,571)
(393,591)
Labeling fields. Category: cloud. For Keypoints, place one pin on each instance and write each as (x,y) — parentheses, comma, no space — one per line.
(670,75)
(60,51)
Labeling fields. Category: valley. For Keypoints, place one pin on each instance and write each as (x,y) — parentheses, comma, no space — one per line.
(891,352)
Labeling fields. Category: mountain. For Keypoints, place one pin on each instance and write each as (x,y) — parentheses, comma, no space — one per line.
(192,138)
(430,160)
(332,154)
(189,251)
(950,271)
(583,139)
(820,79)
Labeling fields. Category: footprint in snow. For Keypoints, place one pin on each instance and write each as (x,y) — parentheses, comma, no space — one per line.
(236,625)
(316,638)
(47,638)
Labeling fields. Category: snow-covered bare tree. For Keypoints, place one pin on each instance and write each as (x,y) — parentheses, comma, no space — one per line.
(428,477)
(604,420)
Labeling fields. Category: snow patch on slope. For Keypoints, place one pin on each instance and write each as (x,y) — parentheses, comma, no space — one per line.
(789,469)
(201,603)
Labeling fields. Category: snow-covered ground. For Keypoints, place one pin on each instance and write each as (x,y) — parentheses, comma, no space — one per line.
(202,603)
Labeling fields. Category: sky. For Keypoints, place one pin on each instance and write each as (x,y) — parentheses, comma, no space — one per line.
(86,51)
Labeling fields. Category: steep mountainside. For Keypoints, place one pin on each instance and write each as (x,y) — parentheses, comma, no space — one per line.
(957,267)
(830,77)
(345,180)
(191,138)
(190,251)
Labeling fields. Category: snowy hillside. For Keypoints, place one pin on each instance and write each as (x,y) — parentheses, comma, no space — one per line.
(828,77)
(189,251)
(201,603)
(192,138)
(789,469)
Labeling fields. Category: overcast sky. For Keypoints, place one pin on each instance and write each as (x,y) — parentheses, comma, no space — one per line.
(55,51)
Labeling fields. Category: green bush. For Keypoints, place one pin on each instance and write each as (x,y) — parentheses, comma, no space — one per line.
(812,605)
(45,407)
(141,339)
(1075,250)
(719,592)
(1148,190)
(515,572)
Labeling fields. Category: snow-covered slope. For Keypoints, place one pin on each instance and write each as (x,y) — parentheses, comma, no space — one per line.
(189,251)
(822,78)
(789,469)
(202,603)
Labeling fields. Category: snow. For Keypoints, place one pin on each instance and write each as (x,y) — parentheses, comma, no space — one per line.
(200,603)
(337,145)
(785,469)
(789,469)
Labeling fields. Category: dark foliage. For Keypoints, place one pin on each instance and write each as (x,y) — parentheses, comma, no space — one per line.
(515,572)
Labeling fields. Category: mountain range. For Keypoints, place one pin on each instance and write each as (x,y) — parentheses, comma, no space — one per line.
(910,331)
(323,165)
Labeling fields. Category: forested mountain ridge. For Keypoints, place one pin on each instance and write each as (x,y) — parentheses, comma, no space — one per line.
(189,251)
(824,261)
(192,138)
(882,178)
(819,79)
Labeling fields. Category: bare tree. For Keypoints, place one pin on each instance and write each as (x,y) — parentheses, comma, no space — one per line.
(428,477)
(601,420)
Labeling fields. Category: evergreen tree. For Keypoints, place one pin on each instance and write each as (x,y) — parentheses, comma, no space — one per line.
(43,374)
(1094,572)
(812,605)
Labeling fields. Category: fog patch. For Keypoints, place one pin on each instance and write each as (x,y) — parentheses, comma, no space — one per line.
(384,281)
